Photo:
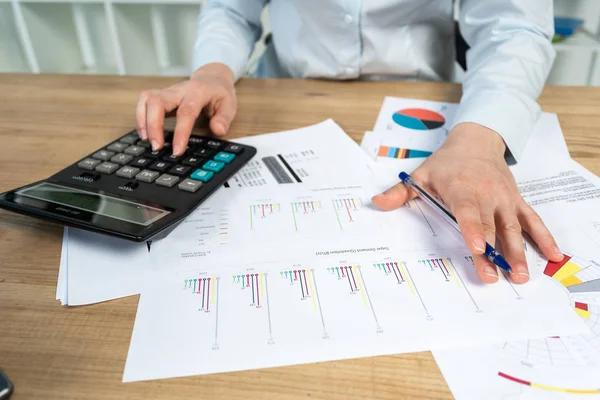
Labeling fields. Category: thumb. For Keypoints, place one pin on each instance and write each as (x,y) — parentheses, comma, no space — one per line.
(225,111)
(397,195)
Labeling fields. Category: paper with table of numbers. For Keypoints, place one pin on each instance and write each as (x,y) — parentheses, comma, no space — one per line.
(315,273)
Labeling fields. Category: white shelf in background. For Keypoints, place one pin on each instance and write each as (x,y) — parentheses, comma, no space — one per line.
(581,40)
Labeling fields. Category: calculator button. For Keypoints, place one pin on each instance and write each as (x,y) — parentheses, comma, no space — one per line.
(213,144)
(224,157)
(103,155)
(89,164)
(122,159)
(201,175)
(189,185)
(214,166)
(167,180)
(160,166)
(128,172)
(147,176)
(172,158)
(141,162)
(156,154)
(234,148)
(192,161)
(135,150)
(196,140)
(143,144)
(117,147)
(179,170)
(107,168)
(90,177)
(130,139)
(203,152)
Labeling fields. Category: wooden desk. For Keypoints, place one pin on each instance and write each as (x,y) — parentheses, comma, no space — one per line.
(51,352)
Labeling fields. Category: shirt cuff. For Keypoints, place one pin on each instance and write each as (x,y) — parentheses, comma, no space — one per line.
(512,116)
(219,52)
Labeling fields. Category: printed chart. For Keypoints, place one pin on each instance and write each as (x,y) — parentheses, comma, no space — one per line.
(399,153)
(554,367)
(319,307)
(418,118)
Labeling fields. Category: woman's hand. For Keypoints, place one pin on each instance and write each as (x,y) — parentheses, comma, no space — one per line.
(470,174)
(210,89)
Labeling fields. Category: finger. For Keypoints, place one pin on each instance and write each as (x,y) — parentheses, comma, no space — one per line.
(509,233)
(467,214)
(486,270)
(225,111)
(399,194)
(156,106)
(535,227)
(187,113)
(140,114)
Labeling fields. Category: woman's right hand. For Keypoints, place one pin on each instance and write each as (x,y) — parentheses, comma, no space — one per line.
(210,89)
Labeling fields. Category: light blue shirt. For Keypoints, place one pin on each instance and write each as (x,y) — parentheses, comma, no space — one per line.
(510,57)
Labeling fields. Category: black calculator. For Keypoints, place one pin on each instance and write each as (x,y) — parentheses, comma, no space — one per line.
(127,190)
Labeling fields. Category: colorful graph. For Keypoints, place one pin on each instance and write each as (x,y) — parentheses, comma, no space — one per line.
(257,284)
(262,211)
(306,281)
(345,208)
(399,270)
(356,282)
(548,387)
(396,152)
(204,287)
(304,208)
(574,275)
(418,119)
(447,269)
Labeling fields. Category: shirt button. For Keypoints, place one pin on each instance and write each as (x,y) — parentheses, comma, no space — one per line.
(348,18)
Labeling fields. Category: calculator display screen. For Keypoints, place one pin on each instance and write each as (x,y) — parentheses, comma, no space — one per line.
(96,203)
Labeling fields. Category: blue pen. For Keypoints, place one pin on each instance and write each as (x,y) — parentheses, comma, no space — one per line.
(490,252)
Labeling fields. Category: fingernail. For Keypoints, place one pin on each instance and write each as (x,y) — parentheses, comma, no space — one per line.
(176,148)
(219,127)
(520,270)
(557,251)
(154,144)
(479,244)
(490,271)
(144,134)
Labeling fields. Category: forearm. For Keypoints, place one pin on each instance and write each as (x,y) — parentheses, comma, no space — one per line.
(226,34)
(510,58)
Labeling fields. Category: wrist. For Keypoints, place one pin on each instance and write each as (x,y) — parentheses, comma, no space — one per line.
(474,137)
(217,71)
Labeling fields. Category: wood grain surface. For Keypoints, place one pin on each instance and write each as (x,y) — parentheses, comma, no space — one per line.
(54,352)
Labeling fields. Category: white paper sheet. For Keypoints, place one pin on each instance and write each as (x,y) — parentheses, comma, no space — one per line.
(365,266)
(312,154)
(61,286)
(555,367)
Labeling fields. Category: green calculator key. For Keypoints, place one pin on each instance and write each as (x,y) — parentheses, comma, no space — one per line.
(215,166)
(201,175)
(225,157)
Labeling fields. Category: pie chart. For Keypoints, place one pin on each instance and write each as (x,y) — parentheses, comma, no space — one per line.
(418,119)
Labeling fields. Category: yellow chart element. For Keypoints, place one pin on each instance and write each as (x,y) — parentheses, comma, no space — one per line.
(357,276)
(566,271)
(571,280)
(212,290)
(583,313)
(308,274)
(262,286)
(452,271)
(410,284)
